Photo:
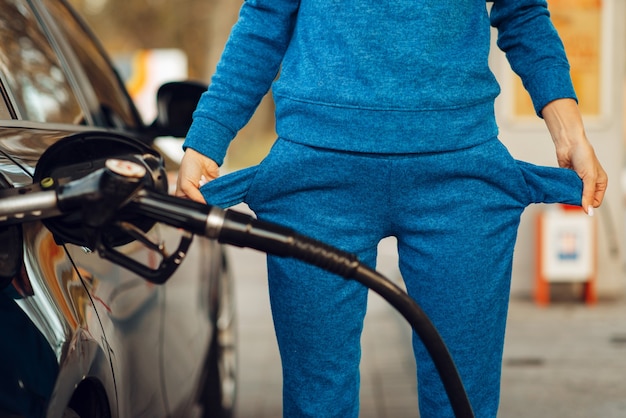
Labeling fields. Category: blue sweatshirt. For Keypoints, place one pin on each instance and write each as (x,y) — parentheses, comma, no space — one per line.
(390,76)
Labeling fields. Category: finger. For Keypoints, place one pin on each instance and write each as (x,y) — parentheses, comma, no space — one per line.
(589,192)
(594,188)
(187,187)
(600,189)
(194,194)
(189,190)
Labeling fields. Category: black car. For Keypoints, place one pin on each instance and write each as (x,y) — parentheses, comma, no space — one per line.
(81,335)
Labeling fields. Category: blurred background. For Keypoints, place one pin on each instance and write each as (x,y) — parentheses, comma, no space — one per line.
(162,40)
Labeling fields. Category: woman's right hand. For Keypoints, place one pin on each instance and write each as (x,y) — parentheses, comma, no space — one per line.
(195,170)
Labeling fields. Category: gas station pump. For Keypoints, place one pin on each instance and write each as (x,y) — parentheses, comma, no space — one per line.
(595,41)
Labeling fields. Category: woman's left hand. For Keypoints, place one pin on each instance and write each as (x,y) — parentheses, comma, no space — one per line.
(574,151)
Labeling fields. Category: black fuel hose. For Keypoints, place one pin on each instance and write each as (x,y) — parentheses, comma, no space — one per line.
(107,193)
(242,230)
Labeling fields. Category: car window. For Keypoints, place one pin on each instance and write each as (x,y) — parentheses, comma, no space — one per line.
(31,69)
(114,102)
(5,113)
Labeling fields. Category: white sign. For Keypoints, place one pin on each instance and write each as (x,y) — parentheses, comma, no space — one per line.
(567,246)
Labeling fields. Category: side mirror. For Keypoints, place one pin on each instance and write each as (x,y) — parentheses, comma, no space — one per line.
(176,102)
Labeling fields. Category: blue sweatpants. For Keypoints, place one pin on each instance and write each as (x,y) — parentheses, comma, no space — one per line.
(455,216)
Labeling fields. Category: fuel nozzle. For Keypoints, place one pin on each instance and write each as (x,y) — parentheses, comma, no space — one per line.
(100,195)
(102,192)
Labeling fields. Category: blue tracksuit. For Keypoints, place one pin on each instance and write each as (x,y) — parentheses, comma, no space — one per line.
(386,128)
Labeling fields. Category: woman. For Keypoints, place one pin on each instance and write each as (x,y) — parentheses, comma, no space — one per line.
(386,127)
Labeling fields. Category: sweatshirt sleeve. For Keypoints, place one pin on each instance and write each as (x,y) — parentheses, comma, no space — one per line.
(248,66)
(534,49)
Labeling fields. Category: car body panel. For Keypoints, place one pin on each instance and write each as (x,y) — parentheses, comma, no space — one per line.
(95,337)
(100,318)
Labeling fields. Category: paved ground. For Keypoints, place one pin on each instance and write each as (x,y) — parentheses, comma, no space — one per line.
(565,360)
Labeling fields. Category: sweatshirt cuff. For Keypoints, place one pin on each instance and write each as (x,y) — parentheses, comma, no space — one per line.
(209,138)
(549,85)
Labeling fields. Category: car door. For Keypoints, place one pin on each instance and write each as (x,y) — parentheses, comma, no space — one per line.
(48,297)
(171,324)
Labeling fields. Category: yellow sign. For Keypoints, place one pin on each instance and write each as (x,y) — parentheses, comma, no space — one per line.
(579,25)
